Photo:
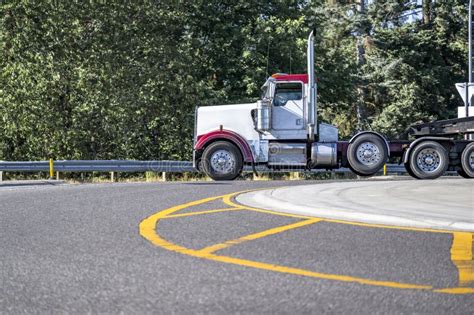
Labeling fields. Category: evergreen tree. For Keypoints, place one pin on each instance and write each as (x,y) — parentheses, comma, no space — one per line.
(89,80)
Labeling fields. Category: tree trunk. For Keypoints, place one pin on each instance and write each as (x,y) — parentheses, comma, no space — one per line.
(361,112)
(426,11)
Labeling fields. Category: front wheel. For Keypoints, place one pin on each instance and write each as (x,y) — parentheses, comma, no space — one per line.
(428,160)
(367,154)
(222,160)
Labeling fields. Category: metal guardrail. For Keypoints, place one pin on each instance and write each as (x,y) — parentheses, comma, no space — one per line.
(98,166)
(139,166)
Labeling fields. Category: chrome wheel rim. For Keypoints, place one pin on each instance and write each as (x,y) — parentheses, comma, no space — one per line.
(222,162)
(428,160)
(368,153)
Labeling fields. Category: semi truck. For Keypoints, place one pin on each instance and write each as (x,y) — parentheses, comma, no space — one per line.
(282,130)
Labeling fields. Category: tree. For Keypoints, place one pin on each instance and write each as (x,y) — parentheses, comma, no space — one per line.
(87,80)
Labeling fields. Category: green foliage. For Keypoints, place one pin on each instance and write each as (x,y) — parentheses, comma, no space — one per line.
(412,67)
(116,80)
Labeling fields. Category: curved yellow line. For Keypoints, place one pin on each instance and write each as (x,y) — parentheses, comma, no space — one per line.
(148,231)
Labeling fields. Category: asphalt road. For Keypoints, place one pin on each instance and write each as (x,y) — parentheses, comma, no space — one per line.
(140,248)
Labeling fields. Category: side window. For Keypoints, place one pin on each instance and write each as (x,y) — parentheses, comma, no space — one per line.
(285,92)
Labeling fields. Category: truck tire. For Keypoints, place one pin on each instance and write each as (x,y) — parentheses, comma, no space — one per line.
(222,160)
(428,160)
(463,174)
(467,161)
(409,171)
(367,154)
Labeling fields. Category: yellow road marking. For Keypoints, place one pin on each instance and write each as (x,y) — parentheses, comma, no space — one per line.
(462,257)
(180,215)
(251,237)
(312,274)
(228,201)
(148,230)
(390,227)
(455,290)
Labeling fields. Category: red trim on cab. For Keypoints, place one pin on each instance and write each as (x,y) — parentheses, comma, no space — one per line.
(237,139)
(291,77)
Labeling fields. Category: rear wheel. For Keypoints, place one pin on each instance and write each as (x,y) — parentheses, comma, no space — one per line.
(467,161)
(463,174)
(409,171)
(367,154)
(428,160)
(222,160)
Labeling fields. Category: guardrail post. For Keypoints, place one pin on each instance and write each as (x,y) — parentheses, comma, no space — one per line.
(261,176)
(51,168)
(295,175)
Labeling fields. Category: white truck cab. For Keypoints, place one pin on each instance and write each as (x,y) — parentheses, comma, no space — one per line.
(279,130)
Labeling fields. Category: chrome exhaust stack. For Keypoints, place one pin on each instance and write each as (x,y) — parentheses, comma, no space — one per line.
(312,102)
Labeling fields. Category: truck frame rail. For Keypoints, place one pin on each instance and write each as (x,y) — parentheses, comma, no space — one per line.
(457,126)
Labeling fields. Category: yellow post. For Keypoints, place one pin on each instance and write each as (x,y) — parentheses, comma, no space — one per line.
(385,170)
(51,168)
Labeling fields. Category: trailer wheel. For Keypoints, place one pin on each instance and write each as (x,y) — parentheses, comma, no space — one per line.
(428,160)
(367,154)
(467,161)
(222,160)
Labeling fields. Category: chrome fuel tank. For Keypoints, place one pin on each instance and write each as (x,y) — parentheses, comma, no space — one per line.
(324,155)
(263,115)
(287,154)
